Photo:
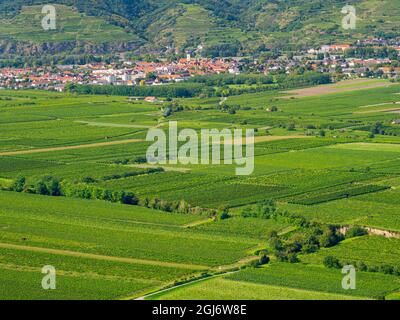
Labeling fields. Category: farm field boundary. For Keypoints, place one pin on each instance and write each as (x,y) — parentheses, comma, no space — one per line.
(101,257)
(82,146)
(113,125)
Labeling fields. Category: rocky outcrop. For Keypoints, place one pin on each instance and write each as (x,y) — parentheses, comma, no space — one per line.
(374,231)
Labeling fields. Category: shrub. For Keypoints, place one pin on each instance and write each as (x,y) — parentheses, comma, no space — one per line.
(361,266)
(356,232)
(387,269)
(88,180)
(282,256)
(264,259)
(19,184)
(332,262)
(223,216)
(292,258)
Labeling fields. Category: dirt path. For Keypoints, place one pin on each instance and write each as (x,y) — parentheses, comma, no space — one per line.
(197,223)
(101,257)
(82,146)
(113,125)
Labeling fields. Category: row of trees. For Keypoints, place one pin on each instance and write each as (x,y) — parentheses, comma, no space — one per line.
(335,263)
(231,79)
(182,207)
(371,52)
(184,90)
(135,173)
(208,86)
(51,186)
(381,128)
(283,80)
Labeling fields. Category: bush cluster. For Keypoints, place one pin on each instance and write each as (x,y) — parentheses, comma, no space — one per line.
(332,262)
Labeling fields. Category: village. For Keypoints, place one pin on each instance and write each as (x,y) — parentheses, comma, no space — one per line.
(342,61)
(129,73)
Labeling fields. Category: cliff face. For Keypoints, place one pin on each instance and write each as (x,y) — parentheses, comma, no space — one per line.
(24,48)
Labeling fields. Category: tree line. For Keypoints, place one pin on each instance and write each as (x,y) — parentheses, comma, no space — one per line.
(208,86)
(52,186)
(186,90)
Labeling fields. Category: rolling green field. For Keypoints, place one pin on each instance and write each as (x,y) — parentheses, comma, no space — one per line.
(287,282)
(108,250)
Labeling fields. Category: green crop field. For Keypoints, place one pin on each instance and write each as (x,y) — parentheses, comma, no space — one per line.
(315,162)
(287,282)
(372,250)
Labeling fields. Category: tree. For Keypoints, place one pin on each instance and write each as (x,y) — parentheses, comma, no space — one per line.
(387,269)
(41,188)
(292,258)
(276,244)
(332,262)
(274,109)
(54,187)
(264,259)
(223,216)
(356,232)
(88,180)
(361,266)
(329,238)
(19,184)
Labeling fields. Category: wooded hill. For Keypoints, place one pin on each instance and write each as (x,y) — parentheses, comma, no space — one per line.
(223,27)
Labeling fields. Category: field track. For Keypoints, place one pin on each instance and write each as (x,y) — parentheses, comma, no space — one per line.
(82,146)
(101,257)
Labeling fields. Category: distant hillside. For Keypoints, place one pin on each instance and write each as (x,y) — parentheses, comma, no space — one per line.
(222,27)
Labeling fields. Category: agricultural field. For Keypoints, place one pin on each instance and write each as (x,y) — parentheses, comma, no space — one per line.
(374,251)
(77,193)
(286,282)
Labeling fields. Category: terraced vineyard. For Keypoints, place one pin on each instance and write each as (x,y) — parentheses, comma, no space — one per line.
(76,194)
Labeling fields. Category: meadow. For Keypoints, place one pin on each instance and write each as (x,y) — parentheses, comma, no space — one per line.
(283,281)
(315,158)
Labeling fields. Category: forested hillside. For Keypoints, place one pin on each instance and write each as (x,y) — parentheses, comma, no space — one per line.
(226,27)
